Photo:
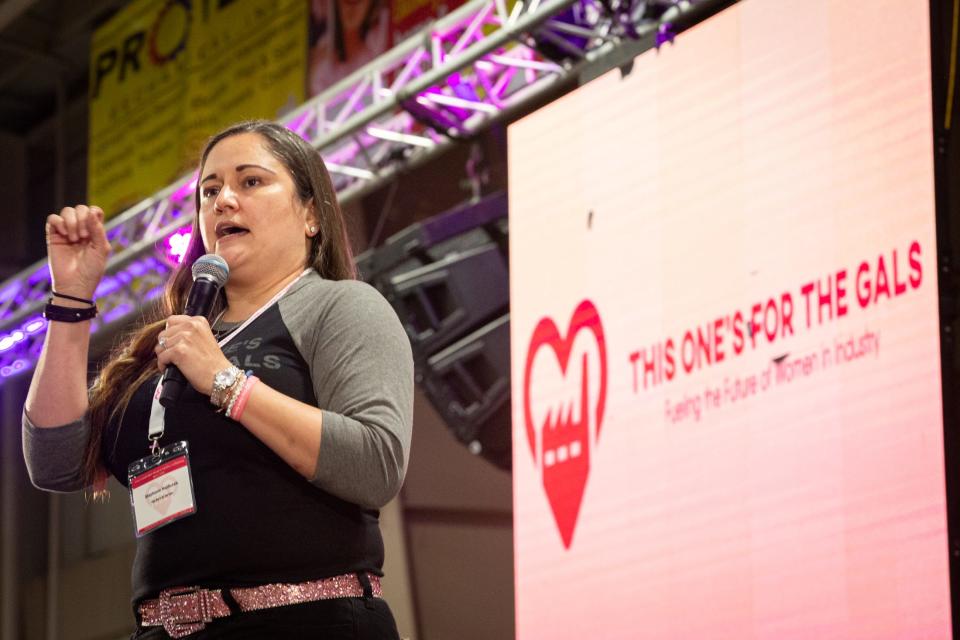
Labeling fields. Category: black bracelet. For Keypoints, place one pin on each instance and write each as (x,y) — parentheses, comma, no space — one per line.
(57,313)
(74,298)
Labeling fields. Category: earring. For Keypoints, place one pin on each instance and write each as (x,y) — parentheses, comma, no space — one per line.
(313,229)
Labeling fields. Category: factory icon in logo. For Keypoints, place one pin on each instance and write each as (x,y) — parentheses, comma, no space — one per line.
(564,393)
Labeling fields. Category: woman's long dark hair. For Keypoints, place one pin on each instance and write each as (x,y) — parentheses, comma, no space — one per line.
(133,362)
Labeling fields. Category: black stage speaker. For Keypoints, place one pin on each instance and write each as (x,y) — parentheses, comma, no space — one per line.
(447,279)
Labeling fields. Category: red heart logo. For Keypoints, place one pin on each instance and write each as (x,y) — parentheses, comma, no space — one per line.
(159,495)
(565,464)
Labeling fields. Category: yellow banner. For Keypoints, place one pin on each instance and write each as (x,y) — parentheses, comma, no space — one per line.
(137,69)
(166,75)
(248,61)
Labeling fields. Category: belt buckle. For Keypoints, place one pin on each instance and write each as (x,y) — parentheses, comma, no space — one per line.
(189,613)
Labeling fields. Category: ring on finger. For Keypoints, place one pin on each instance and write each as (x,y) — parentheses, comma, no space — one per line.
(162,342)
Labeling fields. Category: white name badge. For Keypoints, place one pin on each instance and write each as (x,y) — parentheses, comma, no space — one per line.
(161,489)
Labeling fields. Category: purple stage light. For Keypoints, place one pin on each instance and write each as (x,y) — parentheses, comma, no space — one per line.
(40,275)
(107,286)
(177,245)
(297,124)
(9,291)
(35,325)
(15,367)
(117,312)
(665,35)
(153,293)
(137,268)
(152,264)
(11,340)
(186,189)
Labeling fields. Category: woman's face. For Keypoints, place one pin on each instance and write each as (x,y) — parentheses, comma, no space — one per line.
(250,214)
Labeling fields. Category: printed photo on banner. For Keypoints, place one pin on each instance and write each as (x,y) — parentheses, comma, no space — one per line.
(344,36)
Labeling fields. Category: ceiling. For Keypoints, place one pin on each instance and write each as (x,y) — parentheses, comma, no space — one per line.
(44,43)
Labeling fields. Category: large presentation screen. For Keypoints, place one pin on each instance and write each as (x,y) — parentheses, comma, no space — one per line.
(727,414)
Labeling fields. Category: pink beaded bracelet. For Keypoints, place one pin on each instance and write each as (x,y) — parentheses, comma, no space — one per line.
(238,405)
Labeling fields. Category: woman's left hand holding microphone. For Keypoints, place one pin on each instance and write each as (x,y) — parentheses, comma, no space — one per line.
(188,343)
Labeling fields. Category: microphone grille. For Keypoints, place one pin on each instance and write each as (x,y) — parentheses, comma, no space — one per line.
(213,266)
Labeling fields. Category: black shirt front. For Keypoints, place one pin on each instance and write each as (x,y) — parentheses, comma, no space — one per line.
(258,521)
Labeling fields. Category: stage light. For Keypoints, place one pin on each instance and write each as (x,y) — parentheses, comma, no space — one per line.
(298,124)
(346,170)
(153,293)
(117,312)
(177,245)
(407,138)
(15,367)
(186,189)
(35,325)
(107,286)
(11,340)
(9,291)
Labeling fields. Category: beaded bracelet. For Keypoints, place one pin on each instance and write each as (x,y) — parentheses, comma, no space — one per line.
(226,398)
(238,404)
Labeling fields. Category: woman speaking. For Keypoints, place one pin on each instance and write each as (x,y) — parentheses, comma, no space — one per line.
(255,493)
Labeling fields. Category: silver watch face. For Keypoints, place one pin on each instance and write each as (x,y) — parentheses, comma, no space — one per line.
(225,378)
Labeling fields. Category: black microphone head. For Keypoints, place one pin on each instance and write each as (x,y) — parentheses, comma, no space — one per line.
(212,267)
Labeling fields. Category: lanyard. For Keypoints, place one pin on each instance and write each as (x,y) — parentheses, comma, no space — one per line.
(157,412)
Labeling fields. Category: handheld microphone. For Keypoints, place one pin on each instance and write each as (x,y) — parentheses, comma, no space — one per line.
(210,272)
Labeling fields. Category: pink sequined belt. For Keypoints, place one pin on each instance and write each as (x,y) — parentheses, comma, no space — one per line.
(185,610)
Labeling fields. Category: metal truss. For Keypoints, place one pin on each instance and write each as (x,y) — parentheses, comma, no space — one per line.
(482,62)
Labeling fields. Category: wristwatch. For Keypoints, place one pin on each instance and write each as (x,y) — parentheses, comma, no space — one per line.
(223,381)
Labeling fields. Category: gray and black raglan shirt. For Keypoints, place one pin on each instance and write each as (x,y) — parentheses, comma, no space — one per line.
(336,345)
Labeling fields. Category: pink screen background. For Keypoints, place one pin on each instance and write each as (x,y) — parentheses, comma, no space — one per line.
(771,147)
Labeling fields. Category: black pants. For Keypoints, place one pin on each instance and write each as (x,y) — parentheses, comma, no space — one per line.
(338,619)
